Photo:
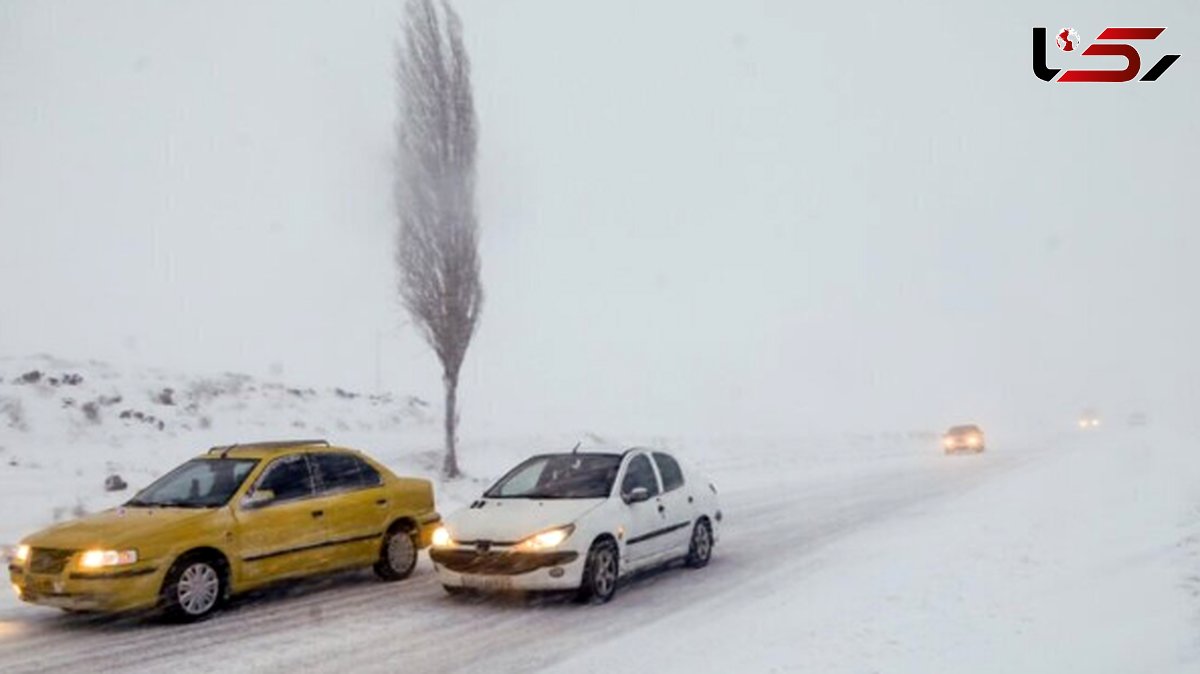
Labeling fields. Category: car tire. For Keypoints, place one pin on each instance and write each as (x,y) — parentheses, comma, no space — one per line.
(397,554)
(193,588)
(701,545)
(600,573)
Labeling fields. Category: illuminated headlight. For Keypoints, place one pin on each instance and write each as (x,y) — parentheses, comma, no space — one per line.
(21,554)
(98,559)
(973,441)
(949,442)
(547,539)
(441,537)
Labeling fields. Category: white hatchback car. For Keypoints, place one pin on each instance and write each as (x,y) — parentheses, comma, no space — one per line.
(579,521)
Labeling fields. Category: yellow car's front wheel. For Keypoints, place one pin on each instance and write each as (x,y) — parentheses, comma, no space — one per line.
(398,554)
(193,588)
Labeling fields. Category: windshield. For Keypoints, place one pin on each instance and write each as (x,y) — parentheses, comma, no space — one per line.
(560,476)
(199,483)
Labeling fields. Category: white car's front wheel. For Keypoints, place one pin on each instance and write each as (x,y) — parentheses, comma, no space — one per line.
(600,573)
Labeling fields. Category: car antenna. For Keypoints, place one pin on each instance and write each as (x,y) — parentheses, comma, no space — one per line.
(575,449)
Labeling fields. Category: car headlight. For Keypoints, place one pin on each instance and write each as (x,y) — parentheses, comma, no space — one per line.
(973,440)
(21,554)
(441,537)
(547,539)
(98,559)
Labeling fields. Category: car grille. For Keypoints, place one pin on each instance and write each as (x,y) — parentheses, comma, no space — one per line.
(49,560)
(499,563)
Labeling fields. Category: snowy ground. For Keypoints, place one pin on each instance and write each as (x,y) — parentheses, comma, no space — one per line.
(863,554)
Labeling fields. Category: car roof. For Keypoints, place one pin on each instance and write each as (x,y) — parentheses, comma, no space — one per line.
(966,428)
(615,455)
(270,449)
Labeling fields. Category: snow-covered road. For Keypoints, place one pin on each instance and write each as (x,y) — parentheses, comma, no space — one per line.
(782,512)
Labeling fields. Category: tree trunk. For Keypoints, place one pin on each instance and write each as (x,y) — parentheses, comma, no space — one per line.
(450,466)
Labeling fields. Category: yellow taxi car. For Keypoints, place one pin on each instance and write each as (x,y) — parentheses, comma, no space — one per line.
(230,520)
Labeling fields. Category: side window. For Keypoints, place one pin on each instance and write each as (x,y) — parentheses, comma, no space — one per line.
(289,478)
(339,472)
(639,474)
(370,476)
(668,467)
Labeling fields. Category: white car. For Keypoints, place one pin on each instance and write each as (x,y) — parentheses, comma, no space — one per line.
(579,521)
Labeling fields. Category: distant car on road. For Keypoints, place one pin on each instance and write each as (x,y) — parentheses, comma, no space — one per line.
(230,520)
(966,438)
(579,522)
(1089,419)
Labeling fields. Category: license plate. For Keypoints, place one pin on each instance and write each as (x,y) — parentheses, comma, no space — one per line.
(489,583)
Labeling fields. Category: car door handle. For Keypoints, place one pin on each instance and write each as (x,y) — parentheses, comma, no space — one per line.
(318,514)
(381,502)
(662,508)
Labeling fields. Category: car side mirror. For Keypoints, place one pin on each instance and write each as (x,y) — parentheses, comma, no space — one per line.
(637,495)
(258,499)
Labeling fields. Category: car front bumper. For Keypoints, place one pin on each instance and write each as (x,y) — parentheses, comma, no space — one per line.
(108,591)
(508,570)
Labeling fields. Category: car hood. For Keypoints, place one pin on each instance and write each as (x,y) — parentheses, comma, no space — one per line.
(510,520)
(113,528)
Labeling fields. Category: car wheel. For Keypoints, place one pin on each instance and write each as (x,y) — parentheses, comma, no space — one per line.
(397,555)
(700,547)
(600,573)
(193,588)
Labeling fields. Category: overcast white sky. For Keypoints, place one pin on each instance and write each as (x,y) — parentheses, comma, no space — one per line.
(769,217)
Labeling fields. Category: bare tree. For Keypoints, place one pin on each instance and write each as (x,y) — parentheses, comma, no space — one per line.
(438,245)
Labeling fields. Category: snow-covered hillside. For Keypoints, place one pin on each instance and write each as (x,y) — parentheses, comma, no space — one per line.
(47,397)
